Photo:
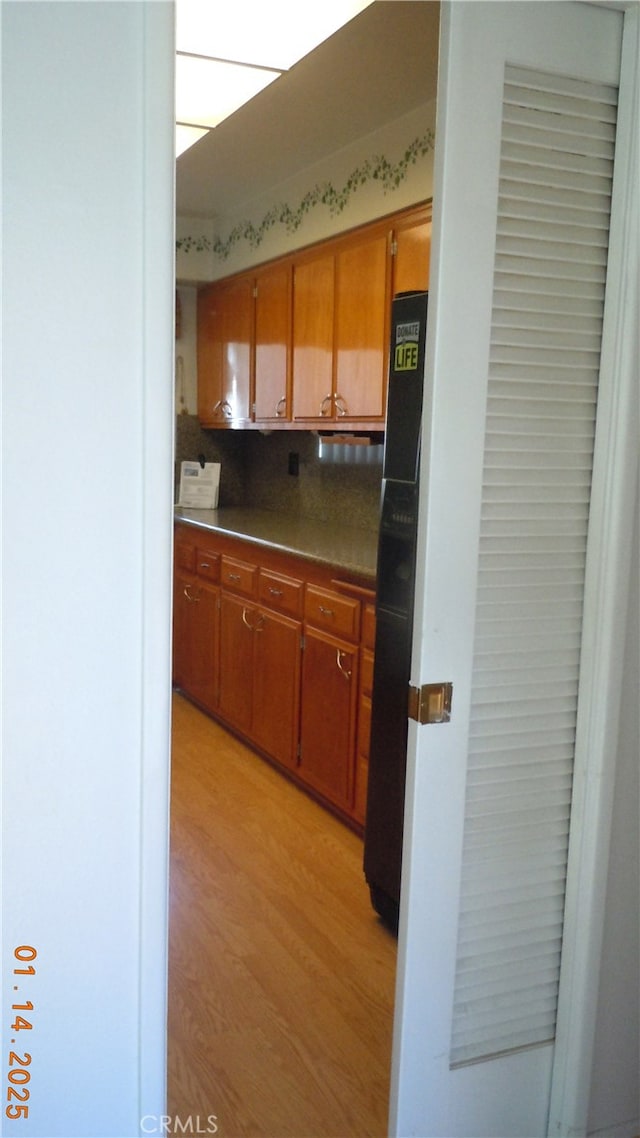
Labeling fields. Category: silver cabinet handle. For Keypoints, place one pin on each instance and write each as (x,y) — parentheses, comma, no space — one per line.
(346,672)
(275,592)
(281,407)
(223,407)
(188,595)
(323,406)
(245,620)
(341,406)
(233,577)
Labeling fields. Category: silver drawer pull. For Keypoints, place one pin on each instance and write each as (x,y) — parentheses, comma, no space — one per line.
(275,592)
(326,612)
(205,565)
(234,577)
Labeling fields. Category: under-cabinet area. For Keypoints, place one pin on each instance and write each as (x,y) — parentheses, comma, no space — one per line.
(279,648)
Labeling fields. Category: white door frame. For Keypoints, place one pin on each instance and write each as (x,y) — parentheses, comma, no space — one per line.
(607,585)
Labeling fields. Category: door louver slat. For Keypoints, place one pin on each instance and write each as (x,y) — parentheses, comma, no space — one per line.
(556,171)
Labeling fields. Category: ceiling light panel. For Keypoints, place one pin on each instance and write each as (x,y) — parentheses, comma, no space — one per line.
(187,136)
(251,31)
(208,91)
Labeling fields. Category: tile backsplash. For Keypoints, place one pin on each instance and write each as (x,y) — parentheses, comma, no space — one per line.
(255,472)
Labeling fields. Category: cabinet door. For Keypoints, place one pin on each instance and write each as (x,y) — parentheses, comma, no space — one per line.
(182,583)
(272,398)
(237,620)
(196,639)
(225,325)
(313,310)
(412,256)
(362,329)
(276,686)
(328,712)
(209,357)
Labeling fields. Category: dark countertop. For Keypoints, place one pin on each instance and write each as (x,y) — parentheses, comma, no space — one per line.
(346,547)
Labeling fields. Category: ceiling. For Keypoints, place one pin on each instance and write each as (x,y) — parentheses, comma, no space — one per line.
(378,67)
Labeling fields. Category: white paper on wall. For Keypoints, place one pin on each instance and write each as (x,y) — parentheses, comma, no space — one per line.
(199,485)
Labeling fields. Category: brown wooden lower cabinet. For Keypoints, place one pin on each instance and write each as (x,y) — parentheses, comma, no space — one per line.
(278,651)
(236,661)
(276,686)
(260,676)
(196,622)
(328,718)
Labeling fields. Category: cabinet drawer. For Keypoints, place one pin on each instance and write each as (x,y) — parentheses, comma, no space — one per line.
(239,576)
(208,564)
(332,612)
(281,593)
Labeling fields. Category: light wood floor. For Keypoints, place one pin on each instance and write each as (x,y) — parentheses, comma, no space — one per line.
(281,977)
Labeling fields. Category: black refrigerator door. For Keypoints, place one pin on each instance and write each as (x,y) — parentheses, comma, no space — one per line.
(387,764)
(394,607)
(404,395)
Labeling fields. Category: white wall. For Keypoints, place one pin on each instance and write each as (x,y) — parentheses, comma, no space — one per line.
(87,155)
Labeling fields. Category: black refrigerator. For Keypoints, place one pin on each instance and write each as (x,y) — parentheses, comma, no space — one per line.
(394,606)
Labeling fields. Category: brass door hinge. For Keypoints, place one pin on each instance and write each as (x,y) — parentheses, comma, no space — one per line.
(431,703)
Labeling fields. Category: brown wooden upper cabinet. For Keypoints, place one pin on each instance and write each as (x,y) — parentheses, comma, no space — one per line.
(272,358)
(225,334)
(411,254)
(340,333)
(313,324)
(362,328)
(303,341)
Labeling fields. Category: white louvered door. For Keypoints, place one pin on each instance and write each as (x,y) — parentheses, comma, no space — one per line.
(556,174)
(524,164)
